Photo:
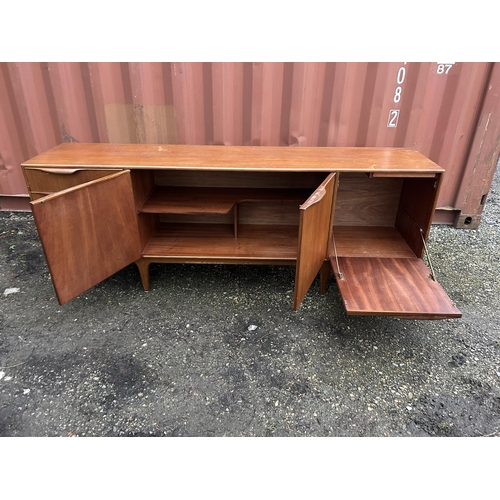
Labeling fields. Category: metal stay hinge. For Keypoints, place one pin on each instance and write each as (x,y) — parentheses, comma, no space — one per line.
(339,274)
(432,276)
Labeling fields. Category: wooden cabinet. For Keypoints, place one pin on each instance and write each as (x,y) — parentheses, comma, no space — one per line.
(364,213)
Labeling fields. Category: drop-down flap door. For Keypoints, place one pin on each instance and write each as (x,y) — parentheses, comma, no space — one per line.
(385,286)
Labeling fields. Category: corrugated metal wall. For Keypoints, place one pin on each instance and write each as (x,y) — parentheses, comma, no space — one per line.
(435,108)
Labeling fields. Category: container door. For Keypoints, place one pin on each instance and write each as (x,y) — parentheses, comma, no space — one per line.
(314,231)
(383,286)
(88,233)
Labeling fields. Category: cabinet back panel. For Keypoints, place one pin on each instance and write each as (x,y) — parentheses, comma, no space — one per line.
(282,213)
(197,219)
(365,201)
(269,212)
(239,179)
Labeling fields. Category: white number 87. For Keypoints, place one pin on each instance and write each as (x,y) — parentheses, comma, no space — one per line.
(443,68)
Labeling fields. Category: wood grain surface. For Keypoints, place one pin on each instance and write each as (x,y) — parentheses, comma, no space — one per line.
(252,158)
(46,181)
(88,233)
(314,230)
(391,287)
(364,201)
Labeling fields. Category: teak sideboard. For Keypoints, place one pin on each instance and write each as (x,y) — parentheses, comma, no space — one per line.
(363,213)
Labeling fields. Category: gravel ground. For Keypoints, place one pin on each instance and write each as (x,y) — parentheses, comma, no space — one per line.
(219,351)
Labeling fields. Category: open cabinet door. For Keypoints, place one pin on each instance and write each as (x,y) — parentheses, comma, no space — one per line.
(314,231)
(384,286)
(88,233)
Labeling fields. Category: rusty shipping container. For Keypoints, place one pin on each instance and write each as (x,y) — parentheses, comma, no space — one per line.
(450,112)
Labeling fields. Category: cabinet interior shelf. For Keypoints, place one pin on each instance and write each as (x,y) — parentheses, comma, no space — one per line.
(370,241)
(216,241)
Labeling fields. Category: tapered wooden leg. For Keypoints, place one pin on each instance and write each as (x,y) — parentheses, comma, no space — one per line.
(324,276)
(143,266)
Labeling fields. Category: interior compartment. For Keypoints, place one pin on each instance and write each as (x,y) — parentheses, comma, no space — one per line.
(377,245)
(230,215)
(382,217)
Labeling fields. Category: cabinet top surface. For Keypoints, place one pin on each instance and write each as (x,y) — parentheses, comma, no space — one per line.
(249,158)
